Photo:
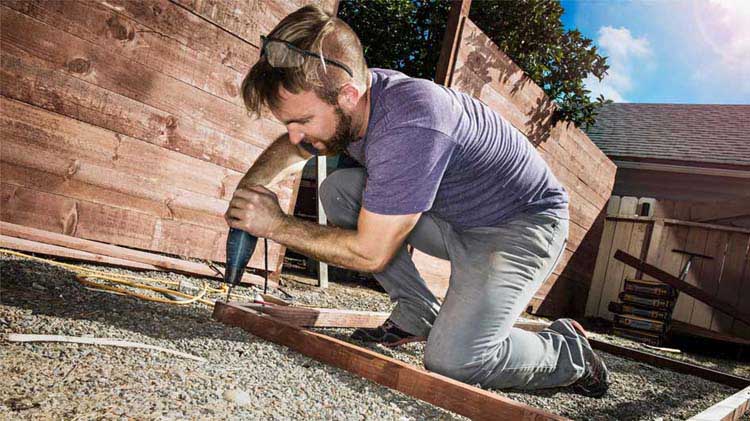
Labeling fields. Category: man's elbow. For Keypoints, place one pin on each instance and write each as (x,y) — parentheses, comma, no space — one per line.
(378,264)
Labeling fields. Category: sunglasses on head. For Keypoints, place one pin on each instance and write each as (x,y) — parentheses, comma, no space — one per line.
(283,54)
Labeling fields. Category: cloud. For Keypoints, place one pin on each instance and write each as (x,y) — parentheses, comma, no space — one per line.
(625,55)
(724,26)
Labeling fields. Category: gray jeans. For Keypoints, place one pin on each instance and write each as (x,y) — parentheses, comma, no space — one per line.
(494,274)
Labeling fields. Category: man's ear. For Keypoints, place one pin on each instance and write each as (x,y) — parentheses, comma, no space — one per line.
(349,96)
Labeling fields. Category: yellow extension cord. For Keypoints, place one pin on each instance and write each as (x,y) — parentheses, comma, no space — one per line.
(83,275)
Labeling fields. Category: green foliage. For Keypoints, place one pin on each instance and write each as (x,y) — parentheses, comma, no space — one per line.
(407,35)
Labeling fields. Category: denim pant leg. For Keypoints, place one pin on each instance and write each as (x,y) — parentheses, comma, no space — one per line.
(416,307)
(495,273)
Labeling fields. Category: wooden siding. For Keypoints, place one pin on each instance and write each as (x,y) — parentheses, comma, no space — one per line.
(122,121)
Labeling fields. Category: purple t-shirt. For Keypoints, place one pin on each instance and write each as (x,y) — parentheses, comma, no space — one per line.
(431,149)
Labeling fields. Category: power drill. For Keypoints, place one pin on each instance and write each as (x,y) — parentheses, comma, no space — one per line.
(240,246)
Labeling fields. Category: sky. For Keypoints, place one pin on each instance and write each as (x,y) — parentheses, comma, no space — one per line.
(668,51)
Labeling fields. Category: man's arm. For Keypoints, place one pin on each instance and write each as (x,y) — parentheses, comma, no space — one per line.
(369,248)
(275,163)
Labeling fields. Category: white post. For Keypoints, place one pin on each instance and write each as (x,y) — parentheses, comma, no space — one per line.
(321,164)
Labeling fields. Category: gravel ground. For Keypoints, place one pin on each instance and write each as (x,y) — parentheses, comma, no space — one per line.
(69,381)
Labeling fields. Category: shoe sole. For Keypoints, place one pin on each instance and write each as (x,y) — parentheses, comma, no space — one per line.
(403,341)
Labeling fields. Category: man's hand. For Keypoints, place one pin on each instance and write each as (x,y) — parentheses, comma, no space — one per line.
(255,209)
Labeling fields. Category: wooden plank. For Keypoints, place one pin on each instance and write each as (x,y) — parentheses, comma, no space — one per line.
(40,83)
(108,224)
(600,270)
(671,364)
(20,244)
(451,41)
(681,223)
(696,243)
(248,20)
(730,409)
(319,317)
(715,302)
(438,390)
(655,239)
(321,170)
(730,282)
(614,273)
(716,246)
(147,260)
(103,26)
(739,328)
(192,32)
(105,68)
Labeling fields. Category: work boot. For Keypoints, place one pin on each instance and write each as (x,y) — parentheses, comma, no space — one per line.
(387,334)
(595,380)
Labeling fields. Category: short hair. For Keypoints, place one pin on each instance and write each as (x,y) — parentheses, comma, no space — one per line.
(310,28)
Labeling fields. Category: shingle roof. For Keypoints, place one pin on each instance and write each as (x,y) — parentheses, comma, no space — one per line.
(708,134)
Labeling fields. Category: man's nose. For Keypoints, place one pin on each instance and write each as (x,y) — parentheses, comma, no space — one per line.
(296,136)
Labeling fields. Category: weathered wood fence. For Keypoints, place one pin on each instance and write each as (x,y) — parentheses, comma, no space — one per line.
(654,237)
(472,63)
(122,121)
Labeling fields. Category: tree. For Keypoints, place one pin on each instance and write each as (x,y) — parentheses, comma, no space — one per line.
(406,35)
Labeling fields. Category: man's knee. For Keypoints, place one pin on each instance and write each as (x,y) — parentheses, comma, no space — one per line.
(340,193)
(449,364)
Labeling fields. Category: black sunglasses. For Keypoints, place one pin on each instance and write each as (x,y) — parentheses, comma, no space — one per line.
(280,53)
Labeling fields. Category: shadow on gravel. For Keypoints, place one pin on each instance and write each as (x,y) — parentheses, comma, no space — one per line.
(53,291)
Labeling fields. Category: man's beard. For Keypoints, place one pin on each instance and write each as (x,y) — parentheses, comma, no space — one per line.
(344,134)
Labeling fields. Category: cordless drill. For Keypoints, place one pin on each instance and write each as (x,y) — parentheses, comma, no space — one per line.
(240,246)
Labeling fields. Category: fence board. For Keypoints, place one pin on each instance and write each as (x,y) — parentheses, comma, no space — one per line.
(731,278)
(696,243)
(709,275)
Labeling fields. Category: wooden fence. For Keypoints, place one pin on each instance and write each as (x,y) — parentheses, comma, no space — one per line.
(122,121)
(653,237)
(472,63)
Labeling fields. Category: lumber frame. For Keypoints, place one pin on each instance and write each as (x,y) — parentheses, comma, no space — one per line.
(451,41)
(730,409)
(319,317)
(339,318)
(433,388)
(683,286)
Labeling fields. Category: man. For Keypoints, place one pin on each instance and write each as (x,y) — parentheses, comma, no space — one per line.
(443,173)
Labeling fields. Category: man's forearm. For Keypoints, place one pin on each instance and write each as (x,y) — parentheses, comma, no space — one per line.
(275,163)
(336,246)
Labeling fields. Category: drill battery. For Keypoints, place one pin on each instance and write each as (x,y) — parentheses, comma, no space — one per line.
(620,308)
(647,302)
(628,321)
(652,289)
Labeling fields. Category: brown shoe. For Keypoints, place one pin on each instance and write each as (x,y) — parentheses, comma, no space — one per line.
(595,380)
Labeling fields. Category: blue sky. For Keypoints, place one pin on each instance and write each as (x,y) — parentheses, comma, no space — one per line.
(668,51)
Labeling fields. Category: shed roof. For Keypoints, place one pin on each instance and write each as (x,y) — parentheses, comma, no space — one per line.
(701,135)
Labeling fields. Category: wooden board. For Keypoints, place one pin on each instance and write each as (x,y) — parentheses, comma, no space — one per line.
(733,279)
(696,243)
(709,275)
(123,121)
(615,271)
(151,261)
(319,317)
(730,409)
(438,390)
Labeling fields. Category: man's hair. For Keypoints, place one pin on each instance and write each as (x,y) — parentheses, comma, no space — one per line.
(309,28)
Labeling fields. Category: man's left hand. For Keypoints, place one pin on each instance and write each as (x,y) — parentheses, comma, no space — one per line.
(256,210)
